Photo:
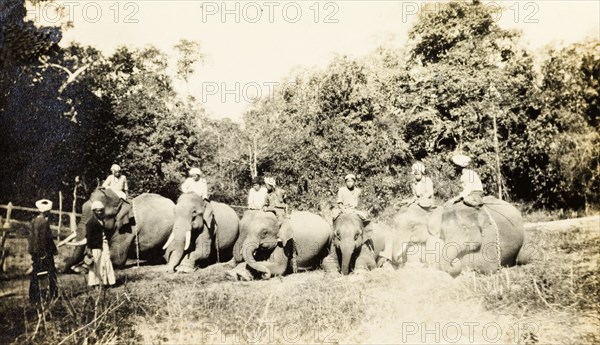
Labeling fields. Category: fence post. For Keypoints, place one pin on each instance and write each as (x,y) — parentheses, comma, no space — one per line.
(8,212)
(60,199)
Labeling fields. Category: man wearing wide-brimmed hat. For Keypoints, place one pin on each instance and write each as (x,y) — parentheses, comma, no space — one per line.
(472,188)
(42,250)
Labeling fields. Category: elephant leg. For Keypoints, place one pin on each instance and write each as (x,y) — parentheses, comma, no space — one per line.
(528,253)
(231,263)
(415,252)
(331,263)
(275,266)
(201,252)
(365,260)
(239,272)
(432,252)
(119,248)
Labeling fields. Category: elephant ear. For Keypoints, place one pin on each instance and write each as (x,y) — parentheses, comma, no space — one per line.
(434,224)
(368,233)
(285,232)
(122,217)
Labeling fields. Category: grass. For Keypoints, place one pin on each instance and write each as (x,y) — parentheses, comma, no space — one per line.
(552,301)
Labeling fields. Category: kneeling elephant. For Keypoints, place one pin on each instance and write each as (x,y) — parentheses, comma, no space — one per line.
(202,232)
(270,247)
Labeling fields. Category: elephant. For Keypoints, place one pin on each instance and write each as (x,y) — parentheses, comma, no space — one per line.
(271,247)
(154,218)
(482,239)
(196,233)
(355,245)
(415,239)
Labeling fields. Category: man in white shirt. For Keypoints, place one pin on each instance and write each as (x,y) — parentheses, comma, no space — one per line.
(348,199)
(472,188)
(195,184)
(257,195)
(117,182)
(198,185)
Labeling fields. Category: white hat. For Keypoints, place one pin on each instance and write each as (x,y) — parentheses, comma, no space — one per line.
(270,181)
(97,205)
(195,171)
(349,176)
(43,205)
(461,160)
(115,167)
(418,167)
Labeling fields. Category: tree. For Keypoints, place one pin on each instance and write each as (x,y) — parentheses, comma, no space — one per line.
(189,55)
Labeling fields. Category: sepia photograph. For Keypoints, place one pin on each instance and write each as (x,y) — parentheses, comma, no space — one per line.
(299,172)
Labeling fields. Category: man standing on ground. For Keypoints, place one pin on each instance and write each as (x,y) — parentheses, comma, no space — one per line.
(42,250)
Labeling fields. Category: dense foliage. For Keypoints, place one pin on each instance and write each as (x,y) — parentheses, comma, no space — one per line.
(372,116)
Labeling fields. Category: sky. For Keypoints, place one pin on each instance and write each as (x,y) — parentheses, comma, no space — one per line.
(251,46)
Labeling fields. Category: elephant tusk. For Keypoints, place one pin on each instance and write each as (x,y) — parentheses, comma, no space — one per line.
(171,238)
(188,238)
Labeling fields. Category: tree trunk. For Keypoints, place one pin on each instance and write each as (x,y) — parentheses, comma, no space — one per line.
(497,151)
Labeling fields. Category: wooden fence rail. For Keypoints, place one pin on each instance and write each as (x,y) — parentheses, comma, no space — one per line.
(30,209)
(8,219)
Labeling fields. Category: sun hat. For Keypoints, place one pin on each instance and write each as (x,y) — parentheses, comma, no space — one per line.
(350,177)
(97,205)
(195,171)
(43,205)
(115,167)
(418,167)
(461,160)
(270,181)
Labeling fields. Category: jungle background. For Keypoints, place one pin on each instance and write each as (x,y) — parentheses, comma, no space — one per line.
(372,116)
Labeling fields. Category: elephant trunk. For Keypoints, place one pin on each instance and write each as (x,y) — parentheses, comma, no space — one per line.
(179,243)
(347,251)
(249,248)
(451,263)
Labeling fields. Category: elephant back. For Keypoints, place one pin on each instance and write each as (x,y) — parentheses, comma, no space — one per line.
(311,235)
(503,212)
(154,217)
(382,233)
(227,221)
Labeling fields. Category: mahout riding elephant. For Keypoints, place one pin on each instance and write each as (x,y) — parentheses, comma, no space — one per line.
(356,244)
(197,234)
(271,247)
(416,236)
(482,239)
(154,222)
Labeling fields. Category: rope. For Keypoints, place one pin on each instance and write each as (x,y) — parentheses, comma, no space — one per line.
(497,236)
(216,232)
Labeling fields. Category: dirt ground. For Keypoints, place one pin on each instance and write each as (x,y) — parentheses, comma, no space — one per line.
(547,302)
